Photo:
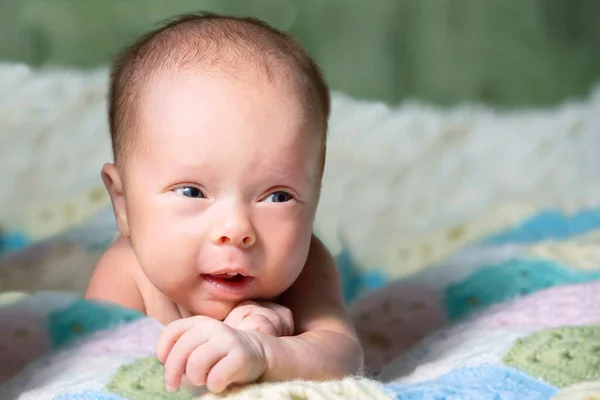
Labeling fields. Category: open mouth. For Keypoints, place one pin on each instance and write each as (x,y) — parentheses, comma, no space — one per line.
(230,278)
(231,283)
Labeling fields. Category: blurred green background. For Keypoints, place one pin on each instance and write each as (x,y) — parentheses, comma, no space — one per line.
(508,53)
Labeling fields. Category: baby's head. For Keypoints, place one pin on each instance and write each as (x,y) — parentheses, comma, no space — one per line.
(218,127)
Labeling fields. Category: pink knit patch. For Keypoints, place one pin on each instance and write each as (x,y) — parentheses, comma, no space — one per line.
(559,306)
(137,338)
(394,318)
(23,338)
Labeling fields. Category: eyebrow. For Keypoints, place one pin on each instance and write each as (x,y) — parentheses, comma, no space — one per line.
(193,167)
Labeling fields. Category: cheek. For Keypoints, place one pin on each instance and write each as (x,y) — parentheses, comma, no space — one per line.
(161,242)
(153,222)
(283,231)
(286,245)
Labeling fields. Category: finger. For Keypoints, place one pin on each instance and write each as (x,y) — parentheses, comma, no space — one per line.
(276,323)
(178,356)
(201,360)
(220,376)
(287,321)
(234,368)
(170,335)
(284,314)
(278,319)
(261,323)
(235,317)
(241,311)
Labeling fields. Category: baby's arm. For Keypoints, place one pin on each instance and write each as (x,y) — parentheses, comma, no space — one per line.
(113,278)
(326,345)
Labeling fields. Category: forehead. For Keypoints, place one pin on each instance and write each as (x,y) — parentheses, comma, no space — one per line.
(204,98)
(192,113)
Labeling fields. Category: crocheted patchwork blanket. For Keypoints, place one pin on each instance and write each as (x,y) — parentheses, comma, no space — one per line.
(513,316)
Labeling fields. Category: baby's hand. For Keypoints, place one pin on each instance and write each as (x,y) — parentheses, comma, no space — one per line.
(209,353)
(266,317)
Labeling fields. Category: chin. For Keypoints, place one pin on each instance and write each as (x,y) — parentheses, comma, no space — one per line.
(215,309)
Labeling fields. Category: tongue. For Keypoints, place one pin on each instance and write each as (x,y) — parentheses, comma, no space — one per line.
(232,278)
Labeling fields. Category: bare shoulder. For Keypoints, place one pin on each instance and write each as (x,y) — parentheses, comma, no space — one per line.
(114,277)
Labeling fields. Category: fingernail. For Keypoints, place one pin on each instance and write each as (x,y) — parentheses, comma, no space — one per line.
(170,388)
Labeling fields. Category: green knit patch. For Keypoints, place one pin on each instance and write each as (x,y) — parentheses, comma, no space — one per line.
(144,380)
(561,357)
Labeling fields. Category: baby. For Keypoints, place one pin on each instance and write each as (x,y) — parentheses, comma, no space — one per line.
(218,127)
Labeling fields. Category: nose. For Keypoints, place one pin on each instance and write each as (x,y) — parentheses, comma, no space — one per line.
(235,229)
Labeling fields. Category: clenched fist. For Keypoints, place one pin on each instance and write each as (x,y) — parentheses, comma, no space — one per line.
(266,317)
(210,353)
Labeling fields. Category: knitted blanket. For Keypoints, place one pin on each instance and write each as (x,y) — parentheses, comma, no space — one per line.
(513,316)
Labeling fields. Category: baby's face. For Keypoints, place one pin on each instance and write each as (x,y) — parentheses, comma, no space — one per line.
(222,194)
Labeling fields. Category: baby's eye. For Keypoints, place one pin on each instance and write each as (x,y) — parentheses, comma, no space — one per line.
(278,197)
(190,191)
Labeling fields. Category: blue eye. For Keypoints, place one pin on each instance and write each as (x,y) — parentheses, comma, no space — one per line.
(278,197)
(190,191)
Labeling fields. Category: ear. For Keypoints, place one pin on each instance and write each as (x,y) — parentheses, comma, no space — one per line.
(114,184)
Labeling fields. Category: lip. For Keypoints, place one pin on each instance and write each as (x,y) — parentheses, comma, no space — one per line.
(223,271)
(228,288)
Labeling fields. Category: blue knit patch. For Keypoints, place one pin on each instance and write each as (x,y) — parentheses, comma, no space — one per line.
(84,317)
(548,225)
(509,279)
(354,281)
(486,382)
(89,395)
(13,241)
